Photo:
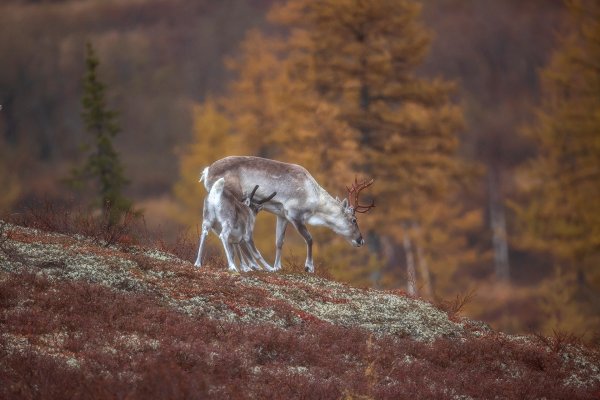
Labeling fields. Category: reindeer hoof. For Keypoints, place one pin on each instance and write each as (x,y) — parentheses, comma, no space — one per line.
(233,269)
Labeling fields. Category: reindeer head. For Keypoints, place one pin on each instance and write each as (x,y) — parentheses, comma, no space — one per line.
(351,206)
(257,205)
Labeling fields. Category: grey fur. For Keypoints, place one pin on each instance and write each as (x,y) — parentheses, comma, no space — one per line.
(300,199)
(233,221)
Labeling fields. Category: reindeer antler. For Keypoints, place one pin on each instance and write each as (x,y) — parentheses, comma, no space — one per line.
(253,192)
(263,200)
(266,199)
(354,192)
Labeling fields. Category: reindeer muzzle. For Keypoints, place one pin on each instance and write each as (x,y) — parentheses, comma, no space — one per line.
(358,242)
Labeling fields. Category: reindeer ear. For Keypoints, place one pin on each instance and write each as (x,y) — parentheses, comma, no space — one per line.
(345,203)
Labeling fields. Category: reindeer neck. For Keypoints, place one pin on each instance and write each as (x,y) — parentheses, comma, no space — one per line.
(327,211)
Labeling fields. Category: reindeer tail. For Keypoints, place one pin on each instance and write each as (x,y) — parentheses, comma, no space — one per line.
(204,177)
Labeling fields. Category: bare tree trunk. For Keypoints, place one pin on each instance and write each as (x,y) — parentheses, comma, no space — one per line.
(411,273)
(498,226)
(422,261)
(386,248)
(7,112)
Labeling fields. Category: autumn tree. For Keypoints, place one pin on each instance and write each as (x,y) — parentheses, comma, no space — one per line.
(103,168)
(212,139)
(562,183)
(337,92)
(364,55)
(276,112)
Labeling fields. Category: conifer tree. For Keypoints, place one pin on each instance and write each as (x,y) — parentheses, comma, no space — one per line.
(363,55)
(562,216)
(212,139)
(256,98)
(103,167)
(277,111)
(338,95)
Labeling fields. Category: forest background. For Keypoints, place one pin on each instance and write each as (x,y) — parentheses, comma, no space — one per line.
(479,121)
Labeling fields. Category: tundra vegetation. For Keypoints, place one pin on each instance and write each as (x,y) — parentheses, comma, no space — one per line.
(81,316)
(477,120)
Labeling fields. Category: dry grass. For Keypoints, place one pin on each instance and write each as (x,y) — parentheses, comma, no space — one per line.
(456,305)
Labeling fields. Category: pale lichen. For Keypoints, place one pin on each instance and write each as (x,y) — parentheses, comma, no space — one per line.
(277,299)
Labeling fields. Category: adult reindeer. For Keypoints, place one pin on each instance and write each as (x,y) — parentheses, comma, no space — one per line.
(300,199)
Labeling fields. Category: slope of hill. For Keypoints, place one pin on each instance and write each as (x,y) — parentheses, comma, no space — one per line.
(80,318)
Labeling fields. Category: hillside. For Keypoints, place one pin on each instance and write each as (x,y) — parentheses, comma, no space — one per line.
(83,319)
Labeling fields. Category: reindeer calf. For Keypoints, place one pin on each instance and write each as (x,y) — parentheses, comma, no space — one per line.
(233,221)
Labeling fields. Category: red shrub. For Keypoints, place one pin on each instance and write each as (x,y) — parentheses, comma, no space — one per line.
(73,339)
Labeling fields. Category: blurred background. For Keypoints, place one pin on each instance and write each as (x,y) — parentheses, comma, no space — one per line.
(479,120)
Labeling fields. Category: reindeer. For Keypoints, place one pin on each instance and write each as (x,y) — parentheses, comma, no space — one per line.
(300,200)
(233,221)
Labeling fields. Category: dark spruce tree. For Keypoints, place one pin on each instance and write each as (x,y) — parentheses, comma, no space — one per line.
(102,168)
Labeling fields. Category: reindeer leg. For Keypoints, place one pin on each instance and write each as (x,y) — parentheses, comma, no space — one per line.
(301,228)
(279,239)
(250,256)
(205,229)
(207,223)
(228,249)
(240,255)
(256,254)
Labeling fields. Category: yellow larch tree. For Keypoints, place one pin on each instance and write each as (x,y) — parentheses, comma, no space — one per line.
(562,215)
(212,139)
(337,92)
(364,55)
(277,112)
